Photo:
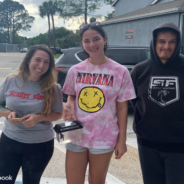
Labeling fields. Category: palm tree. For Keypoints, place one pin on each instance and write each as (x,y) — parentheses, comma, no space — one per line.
(44,10)
(163,93)
(53,8)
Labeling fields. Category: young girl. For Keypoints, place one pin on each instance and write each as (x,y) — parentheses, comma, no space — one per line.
(98,89)
(31,94)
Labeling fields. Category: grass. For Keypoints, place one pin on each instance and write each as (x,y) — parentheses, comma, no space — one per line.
(57,55)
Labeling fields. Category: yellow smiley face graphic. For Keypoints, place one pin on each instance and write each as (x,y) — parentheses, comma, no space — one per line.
(91,99)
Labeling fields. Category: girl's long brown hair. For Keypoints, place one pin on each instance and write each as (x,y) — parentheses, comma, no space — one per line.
(47,80)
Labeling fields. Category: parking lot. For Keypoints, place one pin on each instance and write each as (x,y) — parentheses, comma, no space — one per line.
(127,170)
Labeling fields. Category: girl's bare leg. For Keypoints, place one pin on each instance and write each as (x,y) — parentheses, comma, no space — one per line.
(75,167)
(98,167)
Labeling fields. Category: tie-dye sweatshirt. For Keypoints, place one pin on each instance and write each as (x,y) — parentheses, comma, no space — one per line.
(97,89)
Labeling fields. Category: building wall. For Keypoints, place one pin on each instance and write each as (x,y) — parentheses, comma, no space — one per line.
(126,6)
(143,28)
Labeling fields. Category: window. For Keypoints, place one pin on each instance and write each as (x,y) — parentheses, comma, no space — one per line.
(81,56)
(124,56)
(147,52)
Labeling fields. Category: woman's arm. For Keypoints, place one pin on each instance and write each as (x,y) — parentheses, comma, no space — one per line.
(54,116)
(31,120)
(8,114)
(122,110)
(69,108)
(4,111)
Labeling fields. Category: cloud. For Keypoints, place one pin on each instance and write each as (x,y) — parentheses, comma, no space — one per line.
(32,6)
(104,10)
(40,25)
(35,3)
(31,2)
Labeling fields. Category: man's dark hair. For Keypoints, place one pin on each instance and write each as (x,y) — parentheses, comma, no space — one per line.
(164,30)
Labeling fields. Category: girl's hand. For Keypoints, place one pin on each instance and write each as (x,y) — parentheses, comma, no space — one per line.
(13,115)
(31,120)
(120,149)
(69,112)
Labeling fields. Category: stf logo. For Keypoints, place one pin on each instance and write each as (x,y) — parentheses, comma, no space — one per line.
(164,90)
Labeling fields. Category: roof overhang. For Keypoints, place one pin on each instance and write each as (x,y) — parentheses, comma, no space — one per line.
(114,3)
(146,15)
(153,2)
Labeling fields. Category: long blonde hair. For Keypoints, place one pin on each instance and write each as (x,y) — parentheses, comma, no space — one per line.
(47,80)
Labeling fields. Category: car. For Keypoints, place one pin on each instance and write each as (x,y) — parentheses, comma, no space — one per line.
(24,50)
(127,55)
(57,50)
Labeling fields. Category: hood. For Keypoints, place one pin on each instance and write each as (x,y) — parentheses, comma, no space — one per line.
(173,59)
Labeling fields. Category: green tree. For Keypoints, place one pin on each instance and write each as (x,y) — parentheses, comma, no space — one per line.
(1,20)
(44,11)
(61,34)
(49,8)
(71,40)
(14,18)
(37,40)
(4,18)
(92,19)
(82,7)
(18,39)
(110,15)
(3,36)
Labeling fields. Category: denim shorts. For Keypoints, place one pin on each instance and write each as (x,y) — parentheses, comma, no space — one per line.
(75,148)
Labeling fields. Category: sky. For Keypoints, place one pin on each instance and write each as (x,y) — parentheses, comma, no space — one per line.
(40,25)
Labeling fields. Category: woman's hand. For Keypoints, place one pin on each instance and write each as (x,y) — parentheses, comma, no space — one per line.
(120,149)
(31,120)
(69,112)
(13,115)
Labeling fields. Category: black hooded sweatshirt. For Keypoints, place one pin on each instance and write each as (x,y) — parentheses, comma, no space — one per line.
(159,106)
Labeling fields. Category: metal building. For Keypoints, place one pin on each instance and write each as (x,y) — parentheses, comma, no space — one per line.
(135,27)
(5,47)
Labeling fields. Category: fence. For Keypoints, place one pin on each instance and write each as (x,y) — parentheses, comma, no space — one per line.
(4,47)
